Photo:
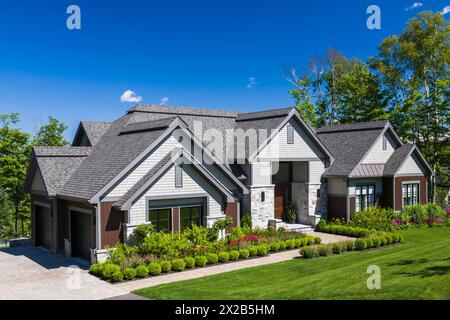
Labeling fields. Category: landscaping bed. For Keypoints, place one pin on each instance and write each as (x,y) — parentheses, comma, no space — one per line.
(150,253)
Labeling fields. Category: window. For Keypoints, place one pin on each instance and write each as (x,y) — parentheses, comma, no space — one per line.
(410,194)
(365,197)
(290,134)
(161,219)
(179,176)
(384,143)
(263,196)
(190,216)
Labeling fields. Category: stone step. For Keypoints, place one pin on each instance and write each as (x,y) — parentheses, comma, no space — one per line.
(295,227)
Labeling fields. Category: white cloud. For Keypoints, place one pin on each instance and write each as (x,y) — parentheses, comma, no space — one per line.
(415,5)
(445,10)
(130,96)
(164,101)
(251,82)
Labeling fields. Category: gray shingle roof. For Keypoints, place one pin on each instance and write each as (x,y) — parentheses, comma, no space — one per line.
(147,125)
(62,151)
(353,126)
(184,111)
(347,147)
(397,159)
(167,158)
(94,130)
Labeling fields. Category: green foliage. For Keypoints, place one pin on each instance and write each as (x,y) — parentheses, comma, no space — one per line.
(338,247)
(142,271)
(324,250)
(96,269)
(234,254)
(167,245)
(360,244)
(129,273)
(223,256)
(309,252)
(291,212)
(178,265)
(417,213)
(344,230)
(201,261)
(51,134)
(222,224)
(246,221)
(212,258)
(166,266)
(197,235)
(263,249)
(317,240)
(274,247)
(190,262)
(244,253)
(283,245)
(154,268)
(374,218)
(108,271)
(350,245)
(253,251)
(141,232)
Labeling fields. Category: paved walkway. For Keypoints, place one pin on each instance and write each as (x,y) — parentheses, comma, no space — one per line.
(34,274)
(222,268)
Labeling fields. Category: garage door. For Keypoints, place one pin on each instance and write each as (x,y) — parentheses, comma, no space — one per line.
(81,231)
(42,226)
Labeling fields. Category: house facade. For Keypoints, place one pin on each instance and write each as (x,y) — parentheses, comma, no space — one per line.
(174,167)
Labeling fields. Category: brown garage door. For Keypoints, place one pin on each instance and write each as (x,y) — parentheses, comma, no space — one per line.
(42,226)
(81,230)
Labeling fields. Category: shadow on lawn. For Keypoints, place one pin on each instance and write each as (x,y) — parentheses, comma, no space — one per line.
(417,261)
(428,272)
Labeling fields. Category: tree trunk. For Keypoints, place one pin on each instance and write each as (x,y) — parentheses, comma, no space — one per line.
(16,208)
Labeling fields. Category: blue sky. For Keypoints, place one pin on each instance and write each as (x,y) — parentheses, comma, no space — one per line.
(195,53)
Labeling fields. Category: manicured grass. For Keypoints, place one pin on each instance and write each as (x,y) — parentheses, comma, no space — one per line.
(417,269)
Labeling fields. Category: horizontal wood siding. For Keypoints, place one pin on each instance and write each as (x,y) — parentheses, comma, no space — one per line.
(411,166)
(316,170)
(377,154)
(193,183)
(261,173)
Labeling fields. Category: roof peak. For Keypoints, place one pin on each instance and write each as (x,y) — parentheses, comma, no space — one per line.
(179,110)
(358,126)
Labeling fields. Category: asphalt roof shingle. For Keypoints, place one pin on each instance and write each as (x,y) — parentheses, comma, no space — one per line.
(397,159)
(95,130)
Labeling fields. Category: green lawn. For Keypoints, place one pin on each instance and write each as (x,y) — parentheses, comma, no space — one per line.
(417,269)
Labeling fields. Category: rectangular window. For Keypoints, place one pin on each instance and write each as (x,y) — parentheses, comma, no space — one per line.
(161,219)
(263,196)
(364,197)
(290,134)
(179,176)
(190,216)
(384,143)
(410,194)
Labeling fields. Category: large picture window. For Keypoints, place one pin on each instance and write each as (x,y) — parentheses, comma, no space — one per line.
(410,194)
(161,219)
(365,197)
(190,216)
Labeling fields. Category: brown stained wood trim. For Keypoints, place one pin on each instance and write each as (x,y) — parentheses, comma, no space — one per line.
(176,219)
(231,211)
(337,207)
(398,183)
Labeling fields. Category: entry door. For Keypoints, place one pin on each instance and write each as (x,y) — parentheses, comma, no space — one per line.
(281,200)
(81,231)
(42,226)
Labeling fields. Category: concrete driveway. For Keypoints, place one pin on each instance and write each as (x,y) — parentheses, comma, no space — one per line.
(34,274)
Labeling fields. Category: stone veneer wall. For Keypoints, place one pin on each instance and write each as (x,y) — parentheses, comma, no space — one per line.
(310,209)
(261,212)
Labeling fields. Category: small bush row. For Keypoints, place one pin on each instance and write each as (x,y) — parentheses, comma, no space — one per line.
(115,273)
(343,230)
(323,250)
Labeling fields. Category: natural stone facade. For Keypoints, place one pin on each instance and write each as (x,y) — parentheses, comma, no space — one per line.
(310,207)
(261,212)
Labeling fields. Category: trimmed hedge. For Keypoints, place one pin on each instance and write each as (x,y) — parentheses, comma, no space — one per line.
(201,261)
(342,230)
(178,265)
(154,268)
(190,262)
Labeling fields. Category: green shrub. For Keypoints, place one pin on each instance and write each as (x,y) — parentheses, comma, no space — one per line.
(383,241)
(178,265)
(290,243)
(244,254)
(154,268)
(338,247)
(317,240)
(322,224)
(141,271)
(246,220)
(166,266)
(360,244)
(309,240)
(389,239)
(212,258)
(350,245)
(142,231)
(108,270)
(201,261)
(283,245)
(324,250)
(369,242)
(116,276)
(129,273)
(253,251)
(96,269)
(298,242)
(376,242)
(373,218)
(190,262)
(309,252)
(234,255)
(263,249)
(274,247)
(223,256)
(417,212)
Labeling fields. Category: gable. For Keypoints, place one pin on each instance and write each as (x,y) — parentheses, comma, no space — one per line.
(38,183)
(302,147)
(411,166)
(377,155)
